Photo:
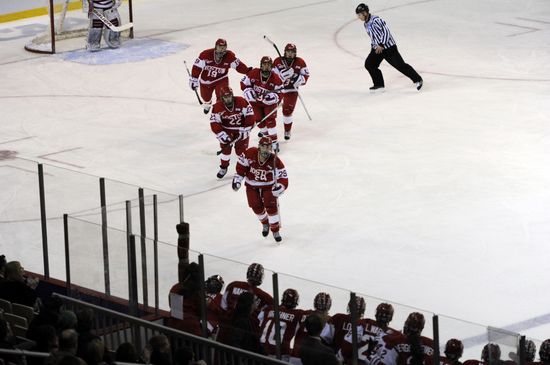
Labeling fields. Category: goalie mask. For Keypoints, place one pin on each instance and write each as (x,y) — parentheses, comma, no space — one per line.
(255,274)
(220,49)
(454,349)
(384,313)
(490,352)
(290,52)
(322,302)
(290,298)
(414,324)
(266,64)
(226,94)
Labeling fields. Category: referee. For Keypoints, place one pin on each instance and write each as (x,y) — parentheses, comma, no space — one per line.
(383,47)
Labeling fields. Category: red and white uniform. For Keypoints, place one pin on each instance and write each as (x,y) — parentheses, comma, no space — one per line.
(368,337)
(212,75)
(289,320)
(293,75)
(338,328)
(215,312)
(235,289)
(259,178)
(236,122)
(395,349)
(266,98)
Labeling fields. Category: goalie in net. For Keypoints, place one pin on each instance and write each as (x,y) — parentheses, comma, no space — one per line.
(90,20)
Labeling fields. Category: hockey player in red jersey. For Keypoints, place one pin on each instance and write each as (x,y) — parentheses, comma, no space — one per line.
(266,179)
(289,318)
(262,87)
(406,348)
(211,70)
(340,325)
(321,304)
(213,287)
(231,120)
(294,73)
(453,352)
(369,335)
(254,278)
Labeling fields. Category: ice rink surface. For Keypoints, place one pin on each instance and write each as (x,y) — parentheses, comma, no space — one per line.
(439,199)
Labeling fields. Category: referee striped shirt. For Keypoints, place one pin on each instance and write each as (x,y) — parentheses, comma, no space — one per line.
(378,32)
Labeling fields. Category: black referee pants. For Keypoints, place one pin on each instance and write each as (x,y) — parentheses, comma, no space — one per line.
(393,57)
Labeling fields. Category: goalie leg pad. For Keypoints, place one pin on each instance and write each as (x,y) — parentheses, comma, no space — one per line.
(94,38)
(112,38)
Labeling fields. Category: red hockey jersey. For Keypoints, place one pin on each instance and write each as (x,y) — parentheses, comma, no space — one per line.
(259,175)
(211,71)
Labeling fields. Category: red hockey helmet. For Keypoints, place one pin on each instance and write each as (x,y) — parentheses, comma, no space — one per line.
(255,274)
(384,313)
(290,50)
(226,94)
(454,349)
(359,304)
(414,324)
(290,298)
(322,302)
(220,49)
(544,351)
(491,351)
(265,141)
(266,64)
(221,42)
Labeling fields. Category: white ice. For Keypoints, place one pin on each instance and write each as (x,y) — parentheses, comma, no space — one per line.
(438,199)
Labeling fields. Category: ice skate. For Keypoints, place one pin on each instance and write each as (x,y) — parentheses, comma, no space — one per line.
(277,236)
(287,135)
(222,172)
(265,229)
(376,88)
(206,108)
(419,85)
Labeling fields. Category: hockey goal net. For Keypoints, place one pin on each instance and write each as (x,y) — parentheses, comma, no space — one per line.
(68,22)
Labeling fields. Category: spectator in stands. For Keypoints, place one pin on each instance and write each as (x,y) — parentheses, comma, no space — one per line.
(68,341)
(2,268)
(49,315)
(185,356)
(254,278)
(46,341)
(67,320)
(453,352)
(126,352)
(71,360)
(85,317)
(161,354)
(7,342)
(94,352)
(312,349)
(15,288)
(243,331)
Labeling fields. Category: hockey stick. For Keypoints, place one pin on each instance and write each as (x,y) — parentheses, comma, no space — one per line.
(110,25)
(239,137)
(195,90)
(284,62)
